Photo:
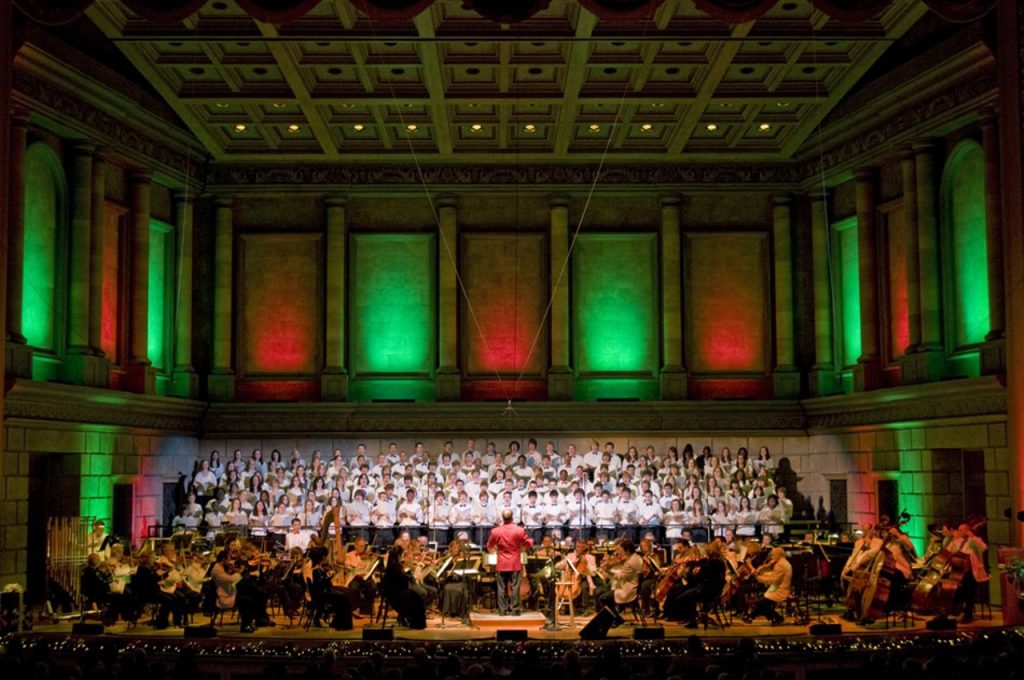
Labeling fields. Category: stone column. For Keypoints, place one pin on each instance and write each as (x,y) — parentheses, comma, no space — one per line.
(334,379)
(447,382)
(993,352)
(673,373)
(221,382)
(141,377)
(823,373)
(867,373)
(785,376)
(1010,39)
(560,378)
(909,168)
(926,360)
(98,224)
(18,357)
(82,366)
(184,380)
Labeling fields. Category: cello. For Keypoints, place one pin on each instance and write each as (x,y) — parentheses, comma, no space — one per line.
(937,589)
(877,578)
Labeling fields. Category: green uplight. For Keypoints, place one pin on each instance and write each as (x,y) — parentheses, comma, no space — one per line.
(965,210)
(615,303)
(393,313)
(849,291)
(42,214)
(156,323)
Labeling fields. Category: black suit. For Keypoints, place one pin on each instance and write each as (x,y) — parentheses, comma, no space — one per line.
(705,584)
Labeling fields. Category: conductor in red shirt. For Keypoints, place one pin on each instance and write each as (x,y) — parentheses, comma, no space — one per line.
(509,539)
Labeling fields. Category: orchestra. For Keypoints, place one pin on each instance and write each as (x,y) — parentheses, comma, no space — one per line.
(414,532)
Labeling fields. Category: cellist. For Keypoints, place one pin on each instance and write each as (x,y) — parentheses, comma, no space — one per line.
(856,570)
(963,540)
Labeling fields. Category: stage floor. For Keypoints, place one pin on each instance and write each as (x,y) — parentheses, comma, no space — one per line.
(484,626)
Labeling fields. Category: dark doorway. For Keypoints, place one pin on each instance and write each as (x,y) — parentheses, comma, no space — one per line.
(888,499)
(124,497)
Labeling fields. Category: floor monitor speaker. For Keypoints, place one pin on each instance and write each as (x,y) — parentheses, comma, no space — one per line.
(649,633)
(510,634)
(378,633)
(599,626)
(200,632)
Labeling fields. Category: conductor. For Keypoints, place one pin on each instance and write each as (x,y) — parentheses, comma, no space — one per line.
(509,539)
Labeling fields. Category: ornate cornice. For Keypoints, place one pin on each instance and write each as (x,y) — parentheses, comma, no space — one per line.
(951,400)
(87,406)
(901,128)
(343,419)
(246,176)
(73,113)
(946,401)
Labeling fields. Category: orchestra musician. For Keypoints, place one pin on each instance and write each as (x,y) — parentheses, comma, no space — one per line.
(337,600)
(411,610)
(701,585)
(777,574)
(964,541)
(509,540)
(623,570)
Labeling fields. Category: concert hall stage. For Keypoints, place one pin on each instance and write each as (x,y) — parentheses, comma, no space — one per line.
(787,648)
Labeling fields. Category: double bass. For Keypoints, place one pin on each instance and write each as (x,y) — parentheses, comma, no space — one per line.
(945,571)
(872,584)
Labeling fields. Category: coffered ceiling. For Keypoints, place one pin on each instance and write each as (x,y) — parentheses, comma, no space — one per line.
(450,85)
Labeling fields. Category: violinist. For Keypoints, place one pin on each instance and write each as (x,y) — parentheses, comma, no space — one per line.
(702,585)
(623,568)
(325,595)
(193,576)
(95,583)
(652,570)
(540,580)
(777,574)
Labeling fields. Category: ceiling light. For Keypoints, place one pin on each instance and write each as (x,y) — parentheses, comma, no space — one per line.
(594,127)
(476,127)
(646,127)
(240,127)
(221,105)
(293,128)
(529,127)
(764,127)
(782,105)
(657,105)
(358,127)
(411,127)
(279,105)
(712,127)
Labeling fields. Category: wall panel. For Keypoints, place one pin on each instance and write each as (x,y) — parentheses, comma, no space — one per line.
(280,301)
(726,291)
(615,315)
(502,313)
(393,315)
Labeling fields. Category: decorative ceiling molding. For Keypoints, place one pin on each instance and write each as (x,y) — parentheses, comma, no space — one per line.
(889,135)
(245,177)
(73,114)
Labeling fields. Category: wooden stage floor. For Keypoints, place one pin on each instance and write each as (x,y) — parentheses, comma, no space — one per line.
(485,626)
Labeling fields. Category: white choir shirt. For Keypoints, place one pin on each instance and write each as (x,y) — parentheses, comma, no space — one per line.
(579,517)
(605,513)
(385,513)
(280,521)
(483,514)
(666,502)
(592,460)
(627,511)
(357,514)
(554,514)
(461,515)
(411,514)
(298,539)
(533,515)
(439,513)
(649,513)
(674,523)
